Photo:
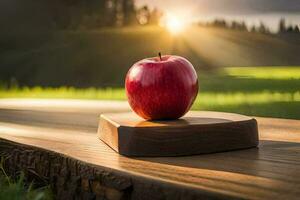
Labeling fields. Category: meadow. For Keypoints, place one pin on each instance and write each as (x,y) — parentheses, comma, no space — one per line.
(257,91)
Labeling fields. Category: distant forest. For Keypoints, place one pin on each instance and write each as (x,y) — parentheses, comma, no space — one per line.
(241,26)
(74,14)
(24,15)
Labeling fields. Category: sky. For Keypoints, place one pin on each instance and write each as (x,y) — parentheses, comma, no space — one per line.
(251,11)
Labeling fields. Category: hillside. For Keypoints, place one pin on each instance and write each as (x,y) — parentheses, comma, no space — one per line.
(102,57)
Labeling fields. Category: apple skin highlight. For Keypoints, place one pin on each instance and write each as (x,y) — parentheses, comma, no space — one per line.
(161,88)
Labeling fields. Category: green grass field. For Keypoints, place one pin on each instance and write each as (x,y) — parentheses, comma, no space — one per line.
(259,91)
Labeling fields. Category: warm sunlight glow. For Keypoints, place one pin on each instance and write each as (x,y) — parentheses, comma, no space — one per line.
(174,24)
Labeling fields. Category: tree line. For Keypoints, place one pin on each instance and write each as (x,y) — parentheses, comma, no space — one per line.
(72,14)
(75,14)
(261,28)
(283,28)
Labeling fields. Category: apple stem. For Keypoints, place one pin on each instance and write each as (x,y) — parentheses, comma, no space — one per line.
(159,54)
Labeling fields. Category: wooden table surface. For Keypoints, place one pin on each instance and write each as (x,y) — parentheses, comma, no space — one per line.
(56,141)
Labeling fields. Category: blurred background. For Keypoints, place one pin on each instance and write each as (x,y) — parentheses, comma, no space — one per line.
(246,53)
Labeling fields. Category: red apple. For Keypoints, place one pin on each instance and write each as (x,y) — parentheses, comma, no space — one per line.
(163,87)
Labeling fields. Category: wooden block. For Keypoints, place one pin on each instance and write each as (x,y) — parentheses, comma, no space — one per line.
(195,133)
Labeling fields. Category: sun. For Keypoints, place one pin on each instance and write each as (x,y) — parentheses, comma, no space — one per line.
(174,24)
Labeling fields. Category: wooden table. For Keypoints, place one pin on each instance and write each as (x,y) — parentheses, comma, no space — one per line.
(55,142)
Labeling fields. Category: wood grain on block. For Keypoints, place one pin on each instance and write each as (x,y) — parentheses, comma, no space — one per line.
(195,133)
